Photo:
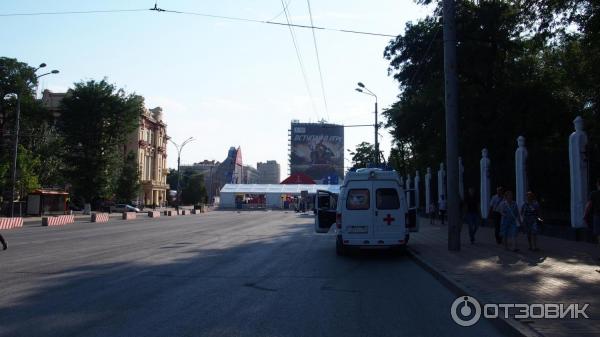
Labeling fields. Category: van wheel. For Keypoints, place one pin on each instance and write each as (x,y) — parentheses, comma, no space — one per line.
(340,248)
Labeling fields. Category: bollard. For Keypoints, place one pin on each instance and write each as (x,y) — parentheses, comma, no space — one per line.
(99,217)
(129,215)
(154,214)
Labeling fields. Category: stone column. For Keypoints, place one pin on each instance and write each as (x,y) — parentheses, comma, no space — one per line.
(408,195)
(521,172)
(578,164)
(417,194)
(484,187)
(441,182)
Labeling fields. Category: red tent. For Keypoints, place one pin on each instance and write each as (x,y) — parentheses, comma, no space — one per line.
(298,178)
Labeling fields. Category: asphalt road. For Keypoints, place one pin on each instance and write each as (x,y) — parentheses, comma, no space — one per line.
(216,274)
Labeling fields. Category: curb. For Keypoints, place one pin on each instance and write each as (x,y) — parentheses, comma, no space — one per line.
(507,326)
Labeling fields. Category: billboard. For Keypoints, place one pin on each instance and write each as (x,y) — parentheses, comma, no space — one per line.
(317,150)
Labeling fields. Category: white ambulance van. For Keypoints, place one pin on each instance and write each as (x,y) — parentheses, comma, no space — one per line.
(370,212)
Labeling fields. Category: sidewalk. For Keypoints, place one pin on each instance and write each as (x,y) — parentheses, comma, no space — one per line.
(562,272)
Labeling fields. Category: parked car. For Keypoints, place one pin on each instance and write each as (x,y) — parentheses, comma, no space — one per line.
(124,208)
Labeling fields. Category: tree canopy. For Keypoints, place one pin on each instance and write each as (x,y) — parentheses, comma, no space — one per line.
(96,120)
(525,68)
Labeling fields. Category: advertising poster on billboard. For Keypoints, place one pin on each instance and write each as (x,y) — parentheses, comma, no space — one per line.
(317,150)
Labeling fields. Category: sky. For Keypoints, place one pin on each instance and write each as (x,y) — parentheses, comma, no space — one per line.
(224,82)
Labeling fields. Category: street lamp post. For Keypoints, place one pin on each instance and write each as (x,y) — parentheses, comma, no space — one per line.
(16,140)
(179,148)
(364,90)
(15,151)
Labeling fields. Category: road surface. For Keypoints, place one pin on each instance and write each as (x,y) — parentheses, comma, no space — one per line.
(217,274)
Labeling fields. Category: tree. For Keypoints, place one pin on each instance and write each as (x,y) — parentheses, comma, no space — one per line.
(172,179)
(523,70)
(363,155)
(96,120)
(128,183)
(193,190)
(18,77)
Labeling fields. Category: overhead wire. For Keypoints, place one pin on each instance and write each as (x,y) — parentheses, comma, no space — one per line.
(318,60)
(300,62)
(287,5)
(214,16)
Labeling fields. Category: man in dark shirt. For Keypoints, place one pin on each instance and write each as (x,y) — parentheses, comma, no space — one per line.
(471,211)
(495,212)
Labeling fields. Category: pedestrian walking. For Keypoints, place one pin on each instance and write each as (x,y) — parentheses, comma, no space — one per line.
(494,212)
(471,213)
(593,211)
(442,208)
(510,221)
(4,245)
(432,212)
(530,212)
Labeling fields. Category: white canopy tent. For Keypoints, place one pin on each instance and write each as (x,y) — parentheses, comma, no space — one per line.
(272,192)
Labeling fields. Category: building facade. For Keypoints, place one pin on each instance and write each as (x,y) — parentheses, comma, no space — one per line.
(249,175)
(149,144)
(269,172)
(317,150)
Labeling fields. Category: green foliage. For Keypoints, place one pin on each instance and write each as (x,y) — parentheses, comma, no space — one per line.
(363,155)
(523,70)
(36,163)
(28,166)
(172,179)
(96,120)
(193,190)
(128,183)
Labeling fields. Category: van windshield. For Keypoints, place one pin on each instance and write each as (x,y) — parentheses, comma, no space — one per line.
(387,198)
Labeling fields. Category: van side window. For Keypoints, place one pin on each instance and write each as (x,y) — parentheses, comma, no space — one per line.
(358,199)
(387,198)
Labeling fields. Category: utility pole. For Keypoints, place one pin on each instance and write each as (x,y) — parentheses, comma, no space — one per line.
(364,90)
(15,155)
(451,91)
(376,135)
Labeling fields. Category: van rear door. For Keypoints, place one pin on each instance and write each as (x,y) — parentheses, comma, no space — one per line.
(325,209)
(412,222)
(357,215)
(390,205)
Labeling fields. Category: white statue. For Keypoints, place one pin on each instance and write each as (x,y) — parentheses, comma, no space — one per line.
(417,194)
(579,173)
(428,191)
(484,189)
(461,182)
(521,172)
(407,186)
(441,182)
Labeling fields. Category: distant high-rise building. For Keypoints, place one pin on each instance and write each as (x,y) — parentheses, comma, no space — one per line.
(269,172)
(249,175)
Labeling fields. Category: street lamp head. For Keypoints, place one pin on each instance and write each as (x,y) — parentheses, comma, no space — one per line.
(10,96)
(54,71)
(360,84)
(358,89)
(42,65)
